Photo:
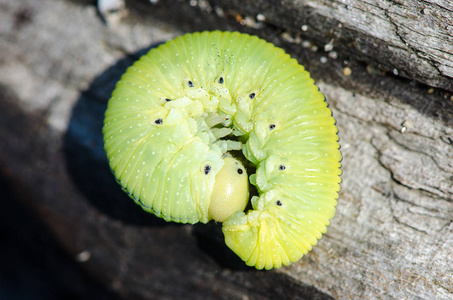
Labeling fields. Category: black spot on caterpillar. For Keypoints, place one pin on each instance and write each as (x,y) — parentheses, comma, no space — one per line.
(207,169)
(184,171)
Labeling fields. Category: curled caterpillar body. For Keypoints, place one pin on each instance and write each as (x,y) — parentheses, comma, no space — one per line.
(180,113)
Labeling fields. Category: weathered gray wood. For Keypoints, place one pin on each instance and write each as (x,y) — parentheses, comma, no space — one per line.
(409,38)
(393,233)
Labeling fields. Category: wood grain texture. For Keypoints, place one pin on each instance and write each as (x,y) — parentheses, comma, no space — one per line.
(392,237)
(409,38)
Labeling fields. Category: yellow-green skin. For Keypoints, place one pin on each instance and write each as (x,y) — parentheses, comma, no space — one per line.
(167,132)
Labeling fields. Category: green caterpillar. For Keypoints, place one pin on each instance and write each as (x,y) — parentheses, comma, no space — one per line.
(188,117)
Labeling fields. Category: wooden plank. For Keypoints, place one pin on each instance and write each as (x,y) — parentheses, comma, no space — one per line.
(408,38)
(392,236)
